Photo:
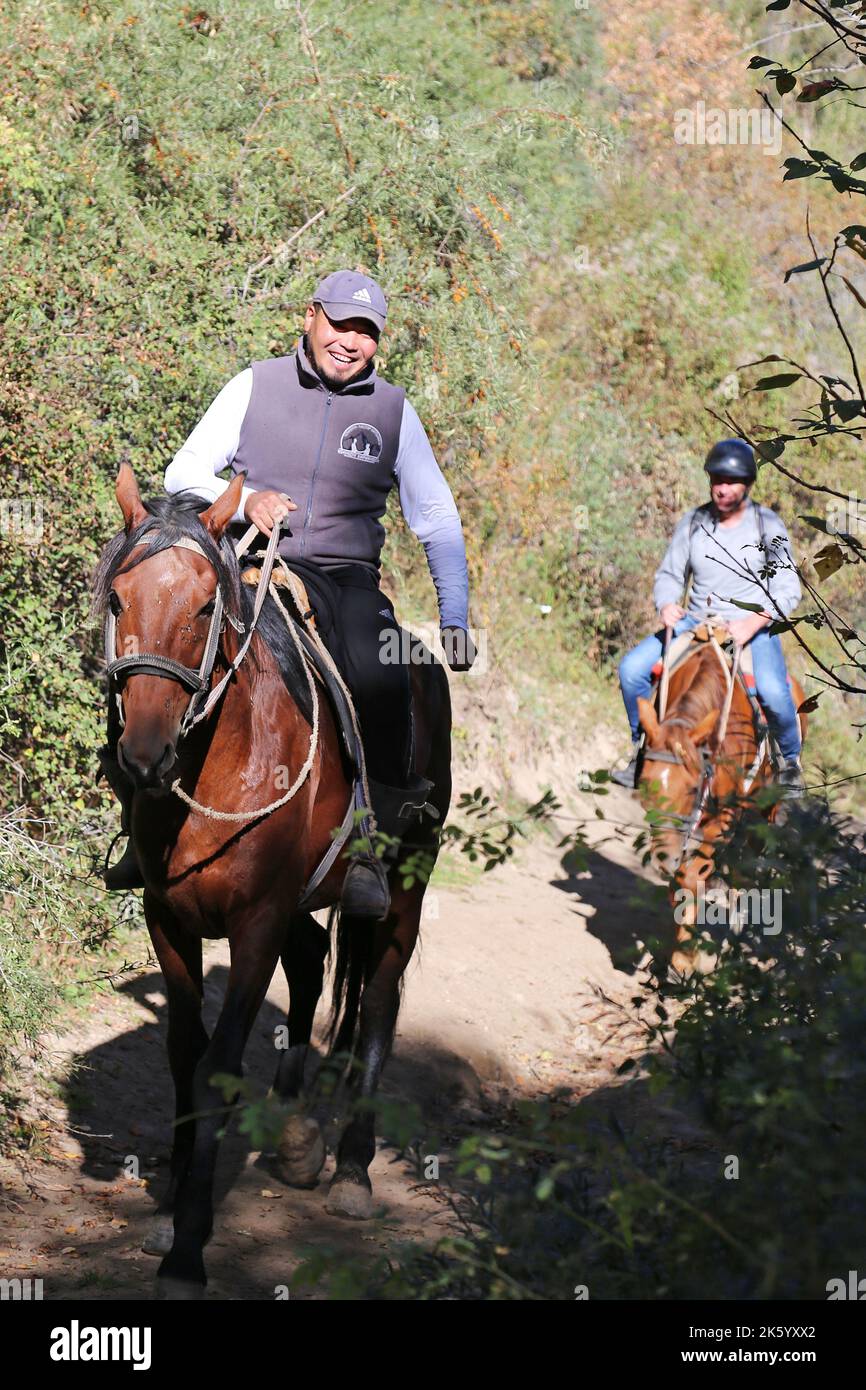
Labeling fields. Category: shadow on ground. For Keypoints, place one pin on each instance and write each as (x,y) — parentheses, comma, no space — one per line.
(120,1108)
(629,911)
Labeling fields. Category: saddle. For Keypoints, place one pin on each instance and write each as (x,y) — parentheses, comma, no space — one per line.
(312,600)
(680,650)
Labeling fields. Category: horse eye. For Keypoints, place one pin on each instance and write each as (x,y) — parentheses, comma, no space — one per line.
(208,608)
(114,604)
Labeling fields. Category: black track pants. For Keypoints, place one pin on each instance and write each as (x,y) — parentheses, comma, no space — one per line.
(375,670)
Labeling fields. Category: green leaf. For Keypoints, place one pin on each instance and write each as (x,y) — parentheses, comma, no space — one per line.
(817,521)
(799,169)
(801,269)
(770,449)
(778,382)
(849,410)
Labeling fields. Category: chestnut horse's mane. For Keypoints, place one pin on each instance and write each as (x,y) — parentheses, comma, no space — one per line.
(705,692)
(171,518)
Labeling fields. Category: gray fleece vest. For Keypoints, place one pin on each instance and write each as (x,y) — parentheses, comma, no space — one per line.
(333,452)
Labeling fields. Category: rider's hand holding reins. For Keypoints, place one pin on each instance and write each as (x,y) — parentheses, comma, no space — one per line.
(743,629)
(459,648)
(267,509)
(671,614)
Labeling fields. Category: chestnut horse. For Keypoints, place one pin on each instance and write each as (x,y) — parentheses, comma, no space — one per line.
(695,787)
(211,878)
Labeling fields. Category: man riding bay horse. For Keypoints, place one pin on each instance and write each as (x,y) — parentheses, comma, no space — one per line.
(734,549)
(322,440)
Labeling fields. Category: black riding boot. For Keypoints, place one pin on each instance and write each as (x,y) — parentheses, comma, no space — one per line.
(125,874)
(365,888)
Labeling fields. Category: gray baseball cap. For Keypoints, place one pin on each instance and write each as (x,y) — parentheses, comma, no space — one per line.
(347,294)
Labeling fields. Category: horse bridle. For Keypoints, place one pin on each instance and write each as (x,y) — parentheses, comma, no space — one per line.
(689,823)
(202,697)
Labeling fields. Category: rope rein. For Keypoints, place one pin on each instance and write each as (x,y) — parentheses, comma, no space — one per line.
(237,817)
(197,681)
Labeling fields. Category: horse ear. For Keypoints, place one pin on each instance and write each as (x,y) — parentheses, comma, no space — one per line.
(220,512)
(129,498)
(701,732)
(649,721)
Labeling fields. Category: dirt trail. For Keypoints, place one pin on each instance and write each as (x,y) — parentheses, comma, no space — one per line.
(499,1003)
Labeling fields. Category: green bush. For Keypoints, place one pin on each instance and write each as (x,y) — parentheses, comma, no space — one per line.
(632,1193)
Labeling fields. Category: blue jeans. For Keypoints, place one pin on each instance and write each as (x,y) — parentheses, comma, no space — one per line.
(771,681)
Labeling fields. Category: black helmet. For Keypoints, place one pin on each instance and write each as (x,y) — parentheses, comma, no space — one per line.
(735,458)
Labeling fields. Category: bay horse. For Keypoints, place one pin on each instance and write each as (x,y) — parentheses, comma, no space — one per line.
(696,786)
(206,877)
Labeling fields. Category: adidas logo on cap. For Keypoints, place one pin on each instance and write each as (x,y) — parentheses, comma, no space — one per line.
(364,294)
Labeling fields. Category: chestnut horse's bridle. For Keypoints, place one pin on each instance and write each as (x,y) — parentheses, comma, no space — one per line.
(688,823)
(202,697)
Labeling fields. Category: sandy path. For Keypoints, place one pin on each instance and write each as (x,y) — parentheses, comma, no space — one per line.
(500,1002)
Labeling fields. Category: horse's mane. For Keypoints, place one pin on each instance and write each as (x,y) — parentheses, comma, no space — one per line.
(171,518)
(705,692)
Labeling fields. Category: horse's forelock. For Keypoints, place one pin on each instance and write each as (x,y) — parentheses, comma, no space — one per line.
(169,519)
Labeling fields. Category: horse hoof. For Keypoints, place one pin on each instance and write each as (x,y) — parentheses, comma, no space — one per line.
(350,1200)
(160,1236)
(174,1290)
(301,1151)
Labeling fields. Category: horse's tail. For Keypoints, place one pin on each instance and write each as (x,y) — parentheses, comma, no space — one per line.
(354,946)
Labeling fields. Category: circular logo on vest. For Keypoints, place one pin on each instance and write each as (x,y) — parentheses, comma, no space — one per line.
(362,442)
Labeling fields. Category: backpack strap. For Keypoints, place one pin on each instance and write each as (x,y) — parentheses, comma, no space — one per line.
(698,515)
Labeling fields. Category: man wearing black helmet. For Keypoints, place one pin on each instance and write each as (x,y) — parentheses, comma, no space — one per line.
(716,545)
